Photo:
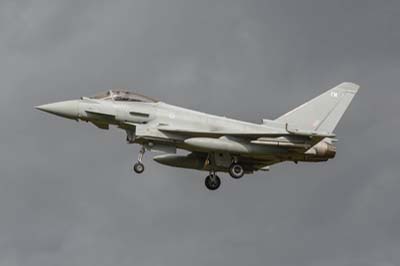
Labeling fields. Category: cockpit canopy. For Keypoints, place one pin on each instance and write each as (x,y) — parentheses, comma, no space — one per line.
(123,96)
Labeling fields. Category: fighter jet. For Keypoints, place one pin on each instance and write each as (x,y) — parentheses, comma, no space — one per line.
(201,141)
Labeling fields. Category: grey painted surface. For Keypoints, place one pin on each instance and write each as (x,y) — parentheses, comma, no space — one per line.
(67,196)
(219,143)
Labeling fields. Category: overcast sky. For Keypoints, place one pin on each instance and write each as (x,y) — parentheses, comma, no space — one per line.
(68,195)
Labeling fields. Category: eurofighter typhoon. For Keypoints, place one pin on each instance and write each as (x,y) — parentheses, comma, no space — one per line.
(214,143)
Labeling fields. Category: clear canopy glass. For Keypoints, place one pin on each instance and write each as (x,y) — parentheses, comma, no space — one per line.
(123,96)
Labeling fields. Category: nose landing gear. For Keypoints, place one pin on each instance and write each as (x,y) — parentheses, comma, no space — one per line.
(139,166)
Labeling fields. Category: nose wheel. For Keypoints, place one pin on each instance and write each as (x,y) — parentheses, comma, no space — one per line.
(139,166)
(212,182)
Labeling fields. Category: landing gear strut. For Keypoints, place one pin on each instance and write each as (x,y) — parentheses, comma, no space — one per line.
(139,166)
(212,182)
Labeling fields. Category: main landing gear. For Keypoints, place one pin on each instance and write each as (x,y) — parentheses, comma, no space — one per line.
(212,182)
(139,166)
(236,171)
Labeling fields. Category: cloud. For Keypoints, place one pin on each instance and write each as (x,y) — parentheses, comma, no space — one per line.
(67,196)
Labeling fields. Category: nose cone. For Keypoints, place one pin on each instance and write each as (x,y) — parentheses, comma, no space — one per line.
(66,109)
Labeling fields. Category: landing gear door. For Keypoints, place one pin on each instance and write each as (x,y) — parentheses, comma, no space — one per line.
(131,135)
(158,147)
(130,131)
(223,159)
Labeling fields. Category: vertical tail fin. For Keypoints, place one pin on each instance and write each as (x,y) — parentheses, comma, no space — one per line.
(324,112)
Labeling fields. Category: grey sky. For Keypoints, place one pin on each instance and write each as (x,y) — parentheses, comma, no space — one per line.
(68,197)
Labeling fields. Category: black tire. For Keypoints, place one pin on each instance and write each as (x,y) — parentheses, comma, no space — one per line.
(212,182)
(236,171)
(138,168)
